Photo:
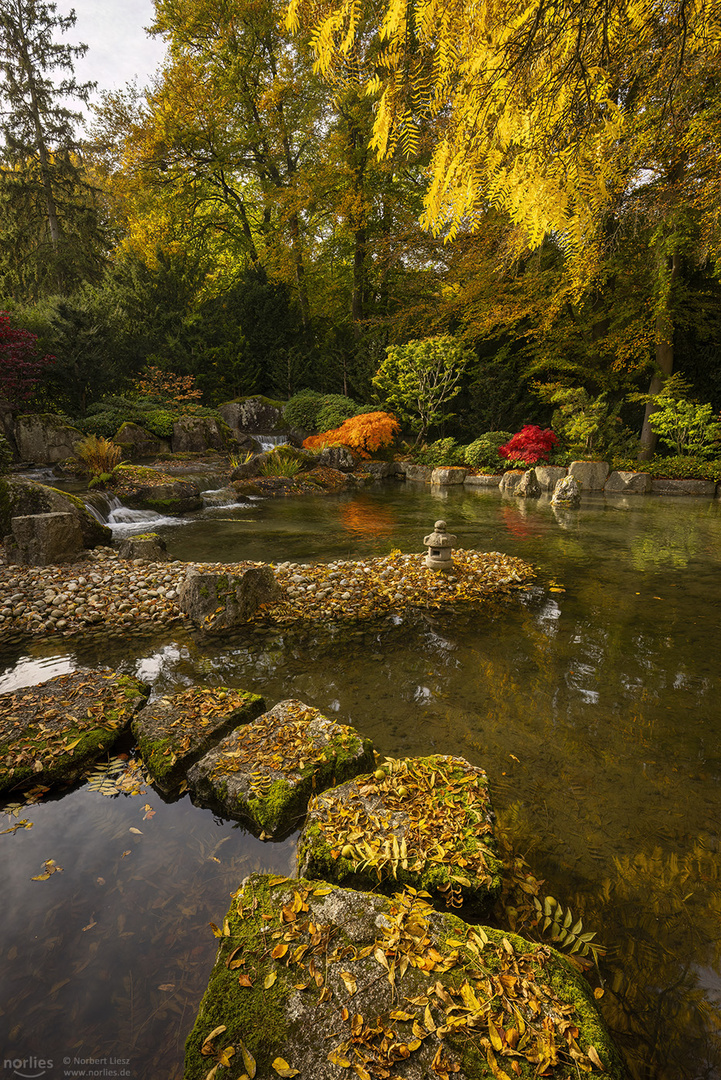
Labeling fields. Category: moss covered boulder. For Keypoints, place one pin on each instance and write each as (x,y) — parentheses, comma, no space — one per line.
(25,497)
(144,488)
(265,772)
(173,732)
(215,600)
(50,733)
(423,822)
(323,982)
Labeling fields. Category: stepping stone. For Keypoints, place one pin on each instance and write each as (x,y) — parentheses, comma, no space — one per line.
(420,822)
(323,982)
(265,772)
(173,732)
(50,733)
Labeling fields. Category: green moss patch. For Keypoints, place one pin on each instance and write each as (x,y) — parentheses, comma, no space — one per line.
(331,982)
(423,822)
(49,733)
(175,731)
(265,772)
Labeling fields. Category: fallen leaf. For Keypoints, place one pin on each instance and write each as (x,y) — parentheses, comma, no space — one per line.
(592,1053)
(270,979)
(283,1068)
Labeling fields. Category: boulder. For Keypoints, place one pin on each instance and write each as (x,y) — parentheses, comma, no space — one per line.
(143,488)
(567,492)
(377,832)
(549,475)
(44,438)
(253,415)
(43,539)
(217,601)
(147,546)
(420,474)
(483,480)
(449,476)
(383,470)
(136,442)
(591,475)
(198,434)
(510,481)
(323,982)
(338,457)
(51,732)
(529,486)
(628,483)
(265,772)
(26,497)
(662,486)
(175,731)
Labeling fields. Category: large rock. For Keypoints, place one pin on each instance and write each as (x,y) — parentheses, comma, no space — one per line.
(265,772)
(322,983)
(591,475)
(379,831)
(338,457)
(150,547)
(567,493)
(483,480)
(253,415)
(662,486)
(43,539)
(510,481)
(175,731)
(143,488)
(44,438)
(448,476)
(383,470)
(136,442)
(198,434)
(217,601)
(50,733)
(529,486)
(420,474)
(549,475)
(27,497)
(628,483)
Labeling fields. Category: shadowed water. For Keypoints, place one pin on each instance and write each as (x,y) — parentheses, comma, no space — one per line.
(592,702)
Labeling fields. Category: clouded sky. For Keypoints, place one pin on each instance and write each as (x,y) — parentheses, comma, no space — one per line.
(119,50)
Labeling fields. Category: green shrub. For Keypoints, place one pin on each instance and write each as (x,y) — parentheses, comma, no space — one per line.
(335,409)
(160,422)
(302,410)
(482,454)
(441,452)
(6,456)
(675,467)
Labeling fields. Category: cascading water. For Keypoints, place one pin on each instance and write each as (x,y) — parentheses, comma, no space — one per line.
(122,520)
(269,442)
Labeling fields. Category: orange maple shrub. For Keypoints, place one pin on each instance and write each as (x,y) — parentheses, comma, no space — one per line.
(364,434)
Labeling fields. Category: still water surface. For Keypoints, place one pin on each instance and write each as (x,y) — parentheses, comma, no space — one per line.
(592,702)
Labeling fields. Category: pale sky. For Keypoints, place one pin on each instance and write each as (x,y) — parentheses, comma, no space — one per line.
(119,50)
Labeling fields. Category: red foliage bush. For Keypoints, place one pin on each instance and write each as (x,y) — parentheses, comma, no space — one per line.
(21,365)
(530,444)
(364,434)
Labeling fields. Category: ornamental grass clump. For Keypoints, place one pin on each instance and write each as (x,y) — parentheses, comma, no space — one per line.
(98,455)
(281,463)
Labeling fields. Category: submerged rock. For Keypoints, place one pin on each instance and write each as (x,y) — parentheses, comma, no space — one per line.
(266,771)
(175,731)
(322,982)
(50,733)
(424,822)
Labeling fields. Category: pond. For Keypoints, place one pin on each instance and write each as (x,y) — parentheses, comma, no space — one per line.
(592,702)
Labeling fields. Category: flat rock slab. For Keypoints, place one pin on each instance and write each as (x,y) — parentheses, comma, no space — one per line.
(662,486)
(266,771)
(173,732)
(628,483)
(485,480)
(49,733)
(423,822)
(448,476)
(322,982)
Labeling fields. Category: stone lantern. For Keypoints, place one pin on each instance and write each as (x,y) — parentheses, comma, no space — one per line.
(440,548)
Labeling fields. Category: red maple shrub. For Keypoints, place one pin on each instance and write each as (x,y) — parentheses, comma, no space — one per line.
(21,364)
(364,434)
(529,445)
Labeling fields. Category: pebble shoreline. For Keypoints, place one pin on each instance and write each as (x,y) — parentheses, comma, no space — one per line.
(104,590)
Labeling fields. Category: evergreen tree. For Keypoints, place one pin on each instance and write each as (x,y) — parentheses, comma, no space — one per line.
(50,231)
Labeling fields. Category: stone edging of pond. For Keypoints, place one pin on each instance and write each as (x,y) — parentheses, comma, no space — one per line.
(104,590)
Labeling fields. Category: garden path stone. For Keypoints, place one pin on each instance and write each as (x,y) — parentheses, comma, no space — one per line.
(322,982)
(424,822)
(265,772)
(51,732)
(174,731)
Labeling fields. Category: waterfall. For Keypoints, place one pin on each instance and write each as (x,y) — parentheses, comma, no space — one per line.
(269,442)
(108,510)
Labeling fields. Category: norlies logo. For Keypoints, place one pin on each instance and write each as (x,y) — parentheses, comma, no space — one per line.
(29,1068)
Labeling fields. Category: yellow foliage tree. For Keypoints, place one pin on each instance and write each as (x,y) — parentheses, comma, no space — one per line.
(365,434)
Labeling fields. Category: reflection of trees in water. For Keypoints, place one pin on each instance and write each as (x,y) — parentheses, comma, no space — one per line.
(669,547)
(367,517)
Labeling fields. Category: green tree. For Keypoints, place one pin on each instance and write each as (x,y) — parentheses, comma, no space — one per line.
(51,232)
(420,379)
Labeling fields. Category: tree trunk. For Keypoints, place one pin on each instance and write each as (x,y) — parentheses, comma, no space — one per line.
(664,360)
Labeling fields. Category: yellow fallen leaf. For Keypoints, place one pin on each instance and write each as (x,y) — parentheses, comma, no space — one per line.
(283,1068)
(138,832)
(206,1048)
(350,983)
(279,951)
(270,979)
(248,1059)
(592,1053)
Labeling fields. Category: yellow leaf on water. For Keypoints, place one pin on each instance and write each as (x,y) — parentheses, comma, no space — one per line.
(41,877)
(138,832)
(283,1068)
